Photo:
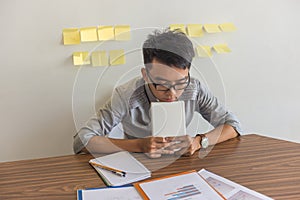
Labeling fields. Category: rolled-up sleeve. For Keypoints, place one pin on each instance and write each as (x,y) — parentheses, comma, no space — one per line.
(214,112)
(109,116)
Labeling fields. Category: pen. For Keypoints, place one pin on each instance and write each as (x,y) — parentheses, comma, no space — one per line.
(115,171)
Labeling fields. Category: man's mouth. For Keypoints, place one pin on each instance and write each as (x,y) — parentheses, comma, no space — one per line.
(169,100)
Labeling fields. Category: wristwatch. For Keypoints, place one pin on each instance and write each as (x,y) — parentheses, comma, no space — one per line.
(203,141)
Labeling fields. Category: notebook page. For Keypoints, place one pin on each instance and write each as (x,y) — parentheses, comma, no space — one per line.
(124,161)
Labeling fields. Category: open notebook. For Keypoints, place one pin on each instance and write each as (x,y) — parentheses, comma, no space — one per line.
(124,161)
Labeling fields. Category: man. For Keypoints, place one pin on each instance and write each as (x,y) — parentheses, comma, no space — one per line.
(166,78)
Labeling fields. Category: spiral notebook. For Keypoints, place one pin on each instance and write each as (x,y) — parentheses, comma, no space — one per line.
(124,161)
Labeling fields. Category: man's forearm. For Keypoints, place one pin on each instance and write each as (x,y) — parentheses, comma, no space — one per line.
(101,144)
(221,134)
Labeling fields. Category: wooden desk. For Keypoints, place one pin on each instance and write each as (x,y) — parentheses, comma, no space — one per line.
(266,165)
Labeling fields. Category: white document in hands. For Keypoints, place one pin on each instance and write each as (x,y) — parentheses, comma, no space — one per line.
(168,119)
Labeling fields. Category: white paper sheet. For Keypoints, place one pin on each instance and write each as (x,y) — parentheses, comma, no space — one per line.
(184,187)
(229,189)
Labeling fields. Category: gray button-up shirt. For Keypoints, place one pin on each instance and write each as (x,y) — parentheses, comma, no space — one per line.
(130,105)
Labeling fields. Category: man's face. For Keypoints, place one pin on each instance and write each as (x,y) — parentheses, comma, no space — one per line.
(170,79)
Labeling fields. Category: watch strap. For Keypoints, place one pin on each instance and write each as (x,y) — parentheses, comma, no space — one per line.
(201,136)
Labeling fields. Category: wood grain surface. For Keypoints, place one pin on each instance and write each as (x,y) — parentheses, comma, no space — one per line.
(266,165)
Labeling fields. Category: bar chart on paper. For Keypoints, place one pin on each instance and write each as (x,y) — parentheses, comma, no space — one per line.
(220,185)
(184,186)
(241,195)
(183,192)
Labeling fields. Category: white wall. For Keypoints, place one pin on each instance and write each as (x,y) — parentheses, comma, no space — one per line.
(258,80)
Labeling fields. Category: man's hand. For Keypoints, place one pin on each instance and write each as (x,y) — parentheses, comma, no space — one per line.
(155,146)
(187,145)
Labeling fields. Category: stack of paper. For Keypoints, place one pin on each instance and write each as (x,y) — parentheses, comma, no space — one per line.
(189,185)
(124,161)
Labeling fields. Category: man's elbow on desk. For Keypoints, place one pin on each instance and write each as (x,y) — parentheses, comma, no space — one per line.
(102,144)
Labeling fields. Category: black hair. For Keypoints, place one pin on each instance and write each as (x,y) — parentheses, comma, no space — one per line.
(170,48)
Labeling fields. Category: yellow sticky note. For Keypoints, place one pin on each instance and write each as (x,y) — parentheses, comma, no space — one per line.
(88,34)
(81,58)
(227,27)
(71,36)
(203,51)
(221,48)
(116,57)
(194,30)
(106,33)
(180,27)
(211,28)
(99,58)
(122,32)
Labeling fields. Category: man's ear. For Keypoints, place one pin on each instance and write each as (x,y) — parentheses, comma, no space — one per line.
(144,74)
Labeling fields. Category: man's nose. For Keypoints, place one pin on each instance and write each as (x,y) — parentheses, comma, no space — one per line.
(172,90)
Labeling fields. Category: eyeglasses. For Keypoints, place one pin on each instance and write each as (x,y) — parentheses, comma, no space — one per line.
(167,87)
